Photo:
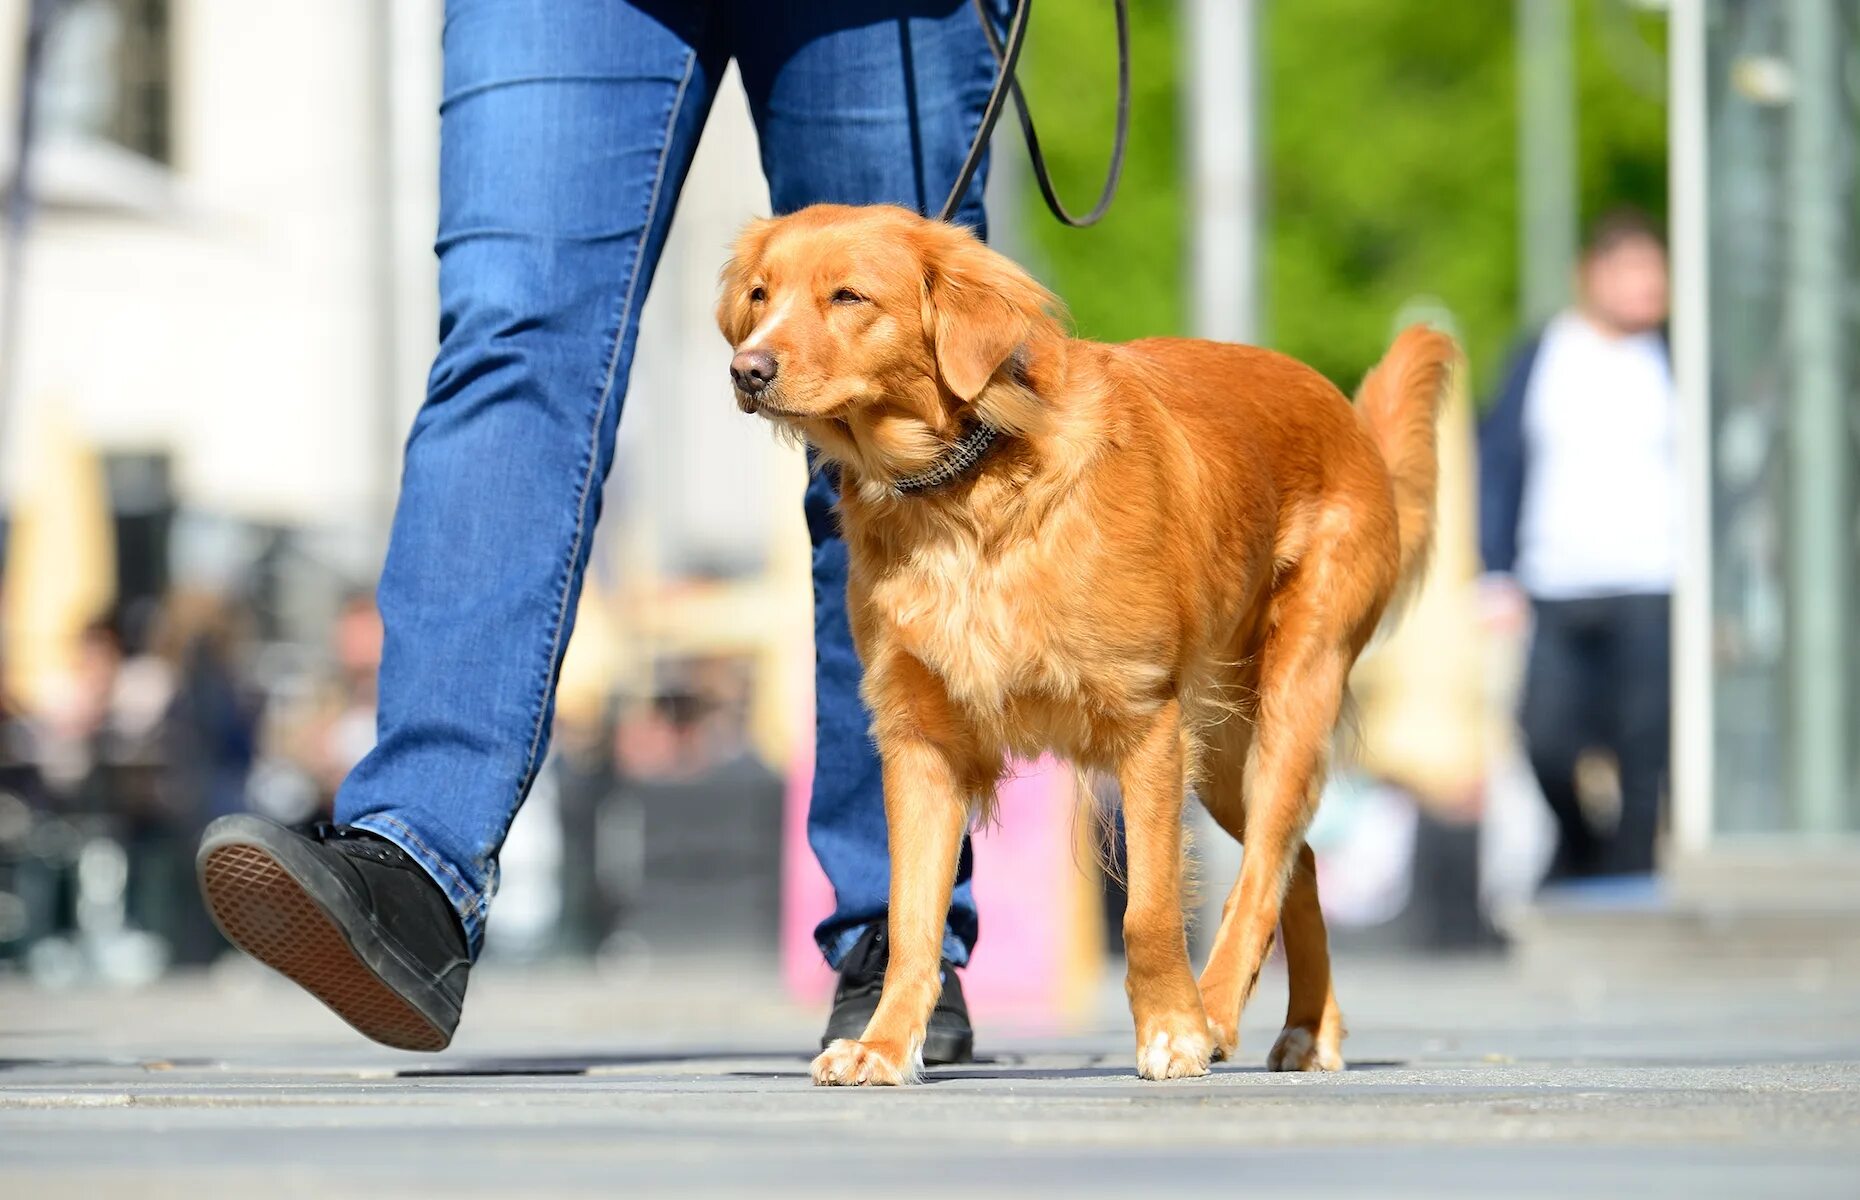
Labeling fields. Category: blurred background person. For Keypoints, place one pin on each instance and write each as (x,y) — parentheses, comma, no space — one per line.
(1580,524)
(201,749)
(345,730)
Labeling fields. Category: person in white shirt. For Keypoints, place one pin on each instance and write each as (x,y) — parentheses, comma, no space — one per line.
(1579,520)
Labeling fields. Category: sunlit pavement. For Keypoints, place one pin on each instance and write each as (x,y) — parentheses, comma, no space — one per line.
(691,1078)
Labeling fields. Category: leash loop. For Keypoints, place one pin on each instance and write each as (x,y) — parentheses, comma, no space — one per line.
(1008,57)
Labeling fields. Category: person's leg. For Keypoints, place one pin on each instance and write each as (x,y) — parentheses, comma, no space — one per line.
(859,102)
(566,133)
(1558,724)
(1640,678)
(566,130)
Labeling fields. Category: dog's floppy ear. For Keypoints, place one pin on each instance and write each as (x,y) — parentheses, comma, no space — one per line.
(734,319)
(980,308)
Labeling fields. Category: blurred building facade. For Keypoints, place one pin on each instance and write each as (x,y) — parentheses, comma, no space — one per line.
(228,314)
(201,261)
(1766,188)
(230,296)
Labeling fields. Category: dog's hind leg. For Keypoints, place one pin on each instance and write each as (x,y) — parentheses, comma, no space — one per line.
(1313,1034)
(1173,1038)
(1313,1030)
(1223,793)
(1302,674)
(1312,1039)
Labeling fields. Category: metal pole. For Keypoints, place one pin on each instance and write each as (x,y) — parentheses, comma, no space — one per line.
(1688,172)
(1819,547)
(1221,93)
(1547,171)
(1223,104)
(18,213)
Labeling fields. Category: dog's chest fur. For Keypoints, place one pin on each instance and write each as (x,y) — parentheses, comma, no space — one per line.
(1017,652)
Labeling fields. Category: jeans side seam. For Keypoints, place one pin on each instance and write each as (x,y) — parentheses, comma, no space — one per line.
(600,412)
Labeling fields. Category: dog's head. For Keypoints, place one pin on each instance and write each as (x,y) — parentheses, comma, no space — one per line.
(876,334)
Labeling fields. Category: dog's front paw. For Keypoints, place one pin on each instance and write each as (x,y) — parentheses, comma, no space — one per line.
(1298,1049)
(1174,1054)
(847,1063)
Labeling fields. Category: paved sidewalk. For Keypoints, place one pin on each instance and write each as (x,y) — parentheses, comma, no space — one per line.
(1465,1081)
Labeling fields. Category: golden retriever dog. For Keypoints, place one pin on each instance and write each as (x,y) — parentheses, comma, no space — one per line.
(1157,559)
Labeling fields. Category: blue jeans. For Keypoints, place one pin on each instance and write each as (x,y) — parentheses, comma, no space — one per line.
(567,128)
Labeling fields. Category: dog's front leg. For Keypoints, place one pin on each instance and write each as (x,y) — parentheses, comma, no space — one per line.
(925,815)
(1174,1040)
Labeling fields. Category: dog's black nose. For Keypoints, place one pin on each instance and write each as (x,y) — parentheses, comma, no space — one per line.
(752,370)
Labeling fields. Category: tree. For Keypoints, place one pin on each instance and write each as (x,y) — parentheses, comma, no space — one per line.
(1391,165)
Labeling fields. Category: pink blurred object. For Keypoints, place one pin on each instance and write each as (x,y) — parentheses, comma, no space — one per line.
(1025,877)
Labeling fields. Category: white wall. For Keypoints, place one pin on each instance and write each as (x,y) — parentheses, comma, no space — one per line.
(238,323)
(232,325)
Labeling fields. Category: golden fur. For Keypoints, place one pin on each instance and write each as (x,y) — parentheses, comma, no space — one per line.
(1164,570)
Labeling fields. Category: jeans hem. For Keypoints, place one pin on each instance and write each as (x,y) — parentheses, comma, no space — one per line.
(836,946)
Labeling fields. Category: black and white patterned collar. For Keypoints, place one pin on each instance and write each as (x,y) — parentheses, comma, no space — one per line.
(956,462)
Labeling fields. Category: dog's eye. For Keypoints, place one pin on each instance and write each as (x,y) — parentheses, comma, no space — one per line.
(847,296)
(757,295)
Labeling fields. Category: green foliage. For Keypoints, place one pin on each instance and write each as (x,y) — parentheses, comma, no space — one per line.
(1391,165)
(1621,96)
(1122,277)
(1390,172)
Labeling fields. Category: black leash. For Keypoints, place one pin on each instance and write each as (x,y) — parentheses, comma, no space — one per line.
(1008,57)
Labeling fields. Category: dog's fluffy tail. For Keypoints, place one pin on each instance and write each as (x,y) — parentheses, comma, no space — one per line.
(1398,403)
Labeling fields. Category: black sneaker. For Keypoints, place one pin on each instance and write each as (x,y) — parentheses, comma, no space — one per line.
(348,916)
(949,1039)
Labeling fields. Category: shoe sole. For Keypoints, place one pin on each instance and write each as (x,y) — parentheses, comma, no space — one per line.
(274,914)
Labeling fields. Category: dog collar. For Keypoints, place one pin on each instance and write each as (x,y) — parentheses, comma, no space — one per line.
(958,461)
